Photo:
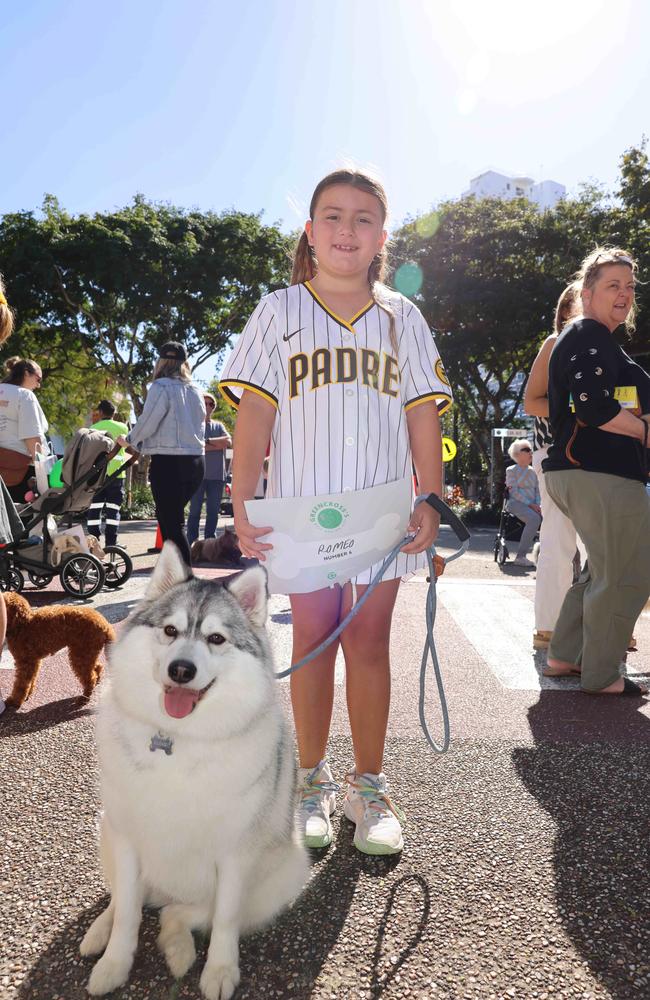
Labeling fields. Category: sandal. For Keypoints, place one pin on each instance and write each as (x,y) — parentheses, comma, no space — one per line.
(630,688)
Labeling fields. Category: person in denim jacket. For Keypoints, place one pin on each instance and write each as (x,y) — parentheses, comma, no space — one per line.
(171,430)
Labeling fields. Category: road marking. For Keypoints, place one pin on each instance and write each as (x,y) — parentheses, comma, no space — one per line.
(499,624)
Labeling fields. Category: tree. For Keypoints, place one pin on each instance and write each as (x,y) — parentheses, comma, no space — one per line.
(112,287)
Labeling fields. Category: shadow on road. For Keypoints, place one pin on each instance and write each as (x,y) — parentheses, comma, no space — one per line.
(24,723)
(301,940)
(590,770)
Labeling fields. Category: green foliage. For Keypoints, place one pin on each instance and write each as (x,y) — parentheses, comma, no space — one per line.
(142,505)
(223,410)
(112,287)
(491,272)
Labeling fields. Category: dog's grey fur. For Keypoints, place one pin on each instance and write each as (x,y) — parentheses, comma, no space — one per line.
(198,809)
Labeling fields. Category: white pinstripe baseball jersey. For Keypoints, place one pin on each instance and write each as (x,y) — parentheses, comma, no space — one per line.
(340,392)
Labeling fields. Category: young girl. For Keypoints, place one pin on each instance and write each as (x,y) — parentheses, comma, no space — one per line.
(343,376)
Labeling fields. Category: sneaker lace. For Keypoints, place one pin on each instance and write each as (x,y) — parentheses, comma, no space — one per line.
(312,790)
(374,798)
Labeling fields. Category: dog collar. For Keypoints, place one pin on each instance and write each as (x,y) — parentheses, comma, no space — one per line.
(161,742)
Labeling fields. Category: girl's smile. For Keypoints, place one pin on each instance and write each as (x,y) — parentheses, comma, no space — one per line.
(347,230)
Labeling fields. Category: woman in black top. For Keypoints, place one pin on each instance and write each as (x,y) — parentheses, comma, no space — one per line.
(596,470)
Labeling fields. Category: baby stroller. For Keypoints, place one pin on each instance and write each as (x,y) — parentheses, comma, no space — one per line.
(510,530)
(83,473)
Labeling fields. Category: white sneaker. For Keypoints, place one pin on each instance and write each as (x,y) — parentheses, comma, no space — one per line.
(316,802)
(522,561)
(377,819)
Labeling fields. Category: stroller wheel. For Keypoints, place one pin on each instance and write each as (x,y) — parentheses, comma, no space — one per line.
(14,580)
(503,553)
(82,576)
(117,566)
(39,579)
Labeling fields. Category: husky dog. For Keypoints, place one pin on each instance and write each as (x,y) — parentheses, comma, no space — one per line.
(198,778)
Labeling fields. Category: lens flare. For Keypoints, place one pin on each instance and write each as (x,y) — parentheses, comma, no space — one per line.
(427,224)
(408,279)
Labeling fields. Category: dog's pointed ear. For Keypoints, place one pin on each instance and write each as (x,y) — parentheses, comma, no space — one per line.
(250,591)
(168,571)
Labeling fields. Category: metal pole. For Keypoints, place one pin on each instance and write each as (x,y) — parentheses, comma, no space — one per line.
(492,466)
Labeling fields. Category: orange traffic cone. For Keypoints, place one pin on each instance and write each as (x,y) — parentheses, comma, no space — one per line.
(158,543)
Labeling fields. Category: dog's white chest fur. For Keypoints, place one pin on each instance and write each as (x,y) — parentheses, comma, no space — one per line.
(205,831)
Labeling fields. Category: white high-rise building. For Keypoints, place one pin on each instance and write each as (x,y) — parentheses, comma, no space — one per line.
(492,184)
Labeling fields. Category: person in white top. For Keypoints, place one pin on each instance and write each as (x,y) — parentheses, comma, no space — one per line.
(22,424)
(343,376)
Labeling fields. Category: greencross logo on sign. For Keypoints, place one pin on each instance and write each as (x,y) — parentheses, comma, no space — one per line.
(328,515)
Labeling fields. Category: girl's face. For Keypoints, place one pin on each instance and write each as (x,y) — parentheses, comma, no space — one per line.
(347,230)
(610,299)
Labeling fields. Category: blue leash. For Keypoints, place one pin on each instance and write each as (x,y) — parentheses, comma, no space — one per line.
(447,516)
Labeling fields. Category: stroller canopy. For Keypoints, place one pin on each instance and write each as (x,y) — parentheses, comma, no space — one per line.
(80,482)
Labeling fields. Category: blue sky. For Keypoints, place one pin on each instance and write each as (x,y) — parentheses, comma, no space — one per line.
(221,104)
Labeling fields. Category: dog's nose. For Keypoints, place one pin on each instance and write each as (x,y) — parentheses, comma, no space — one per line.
(181,671)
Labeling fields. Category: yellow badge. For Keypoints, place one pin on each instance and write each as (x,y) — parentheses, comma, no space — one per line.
(441,373)
(627,396)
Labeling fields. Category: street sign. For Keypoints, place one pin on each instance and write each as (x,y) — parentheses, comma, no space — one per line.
(449,449)
(507,432)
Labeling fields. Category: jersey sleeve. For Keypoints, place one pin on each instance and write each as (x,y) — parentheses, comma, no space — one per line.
(423,373)
(252,364)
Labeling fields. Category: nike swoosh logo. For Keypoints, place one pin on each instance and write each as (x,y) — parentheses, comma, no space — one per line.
(288,336)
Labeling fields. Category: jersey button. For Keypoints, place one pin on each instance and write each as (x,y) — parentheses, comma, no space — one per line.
(349,392)
(347,489)
(349,440)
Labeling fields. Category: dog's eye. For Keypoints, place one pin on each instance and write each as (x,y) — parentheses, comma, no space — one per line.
(171,631)
(216,639)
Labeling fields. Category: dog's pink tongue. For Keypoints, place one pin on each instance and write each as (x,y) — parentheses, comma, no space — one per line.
(179,701)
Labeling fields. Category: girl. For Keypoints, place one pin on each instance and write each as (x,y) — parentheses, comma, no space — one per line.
(344,377)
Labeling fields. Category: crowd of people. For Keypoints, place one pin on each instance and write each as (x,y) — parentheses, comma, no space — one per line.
(316,417)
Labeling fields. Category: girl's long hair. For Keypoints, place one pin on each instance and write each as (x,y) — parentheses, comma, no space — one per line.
(16,369)
(172,368)
(568,307)
(305,264)
(6,315)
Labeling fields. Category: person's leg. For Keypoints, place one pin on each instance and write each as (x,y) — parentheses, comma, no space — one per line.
(171,479)
(213,493)
(113,497)
(557,545)
(531,521)
(366,645)
(314,617)
(612,516)
(94,515)
(194,516)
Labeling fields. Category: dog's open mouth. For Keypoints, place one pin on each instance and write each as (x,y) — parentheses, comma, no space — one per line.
(181,700)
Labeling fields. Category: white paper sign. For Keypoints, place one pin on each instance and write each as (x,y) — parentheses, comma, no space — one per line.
(320,541)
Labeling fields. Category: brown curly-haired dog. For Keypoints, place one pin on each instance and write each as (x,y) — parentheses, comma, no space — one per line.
(33,634)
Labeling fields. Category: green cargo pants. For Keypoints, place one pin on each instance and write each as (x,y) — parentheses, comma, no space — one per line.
(612,516)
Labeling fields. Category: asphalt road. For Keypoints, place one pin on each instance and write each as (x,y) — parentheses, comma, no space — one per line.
(525,871)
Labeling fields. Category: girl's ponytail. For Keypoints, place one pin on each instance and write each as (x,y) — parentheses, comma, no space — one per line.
(6,315)
(303,261)
(376,275)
